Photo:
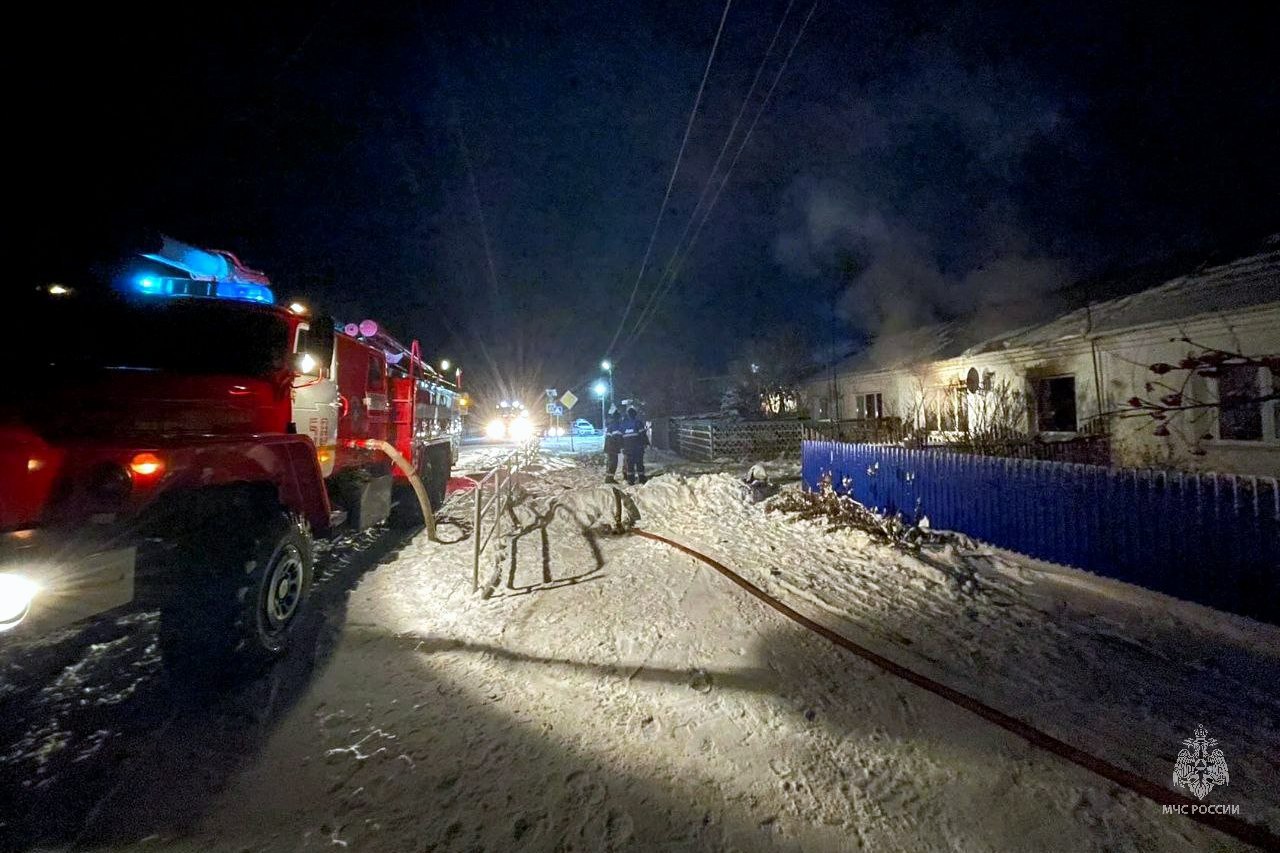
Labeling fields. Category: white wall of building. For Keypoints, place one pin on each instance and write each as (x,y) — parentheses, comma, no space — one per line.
(1106,371)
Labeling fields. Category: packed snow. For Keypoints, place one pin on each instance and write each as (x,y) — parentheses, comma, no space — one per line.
(606,692)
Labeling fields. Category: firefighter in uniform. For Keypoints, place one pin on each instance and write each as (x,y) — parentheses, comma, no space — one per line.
(635,437)
(612,443)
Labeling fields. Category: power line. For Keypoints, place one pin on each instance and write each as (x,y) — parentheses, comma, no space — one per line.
(715,167)
(670,282)
(644,263)
(664,289)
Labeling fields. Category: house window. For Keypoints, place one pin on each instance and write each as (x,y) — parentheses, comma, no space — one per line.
(1242,415)
(931,415)
(953,412)
(1056,404)
(823,407)
(868,406)
(946,410)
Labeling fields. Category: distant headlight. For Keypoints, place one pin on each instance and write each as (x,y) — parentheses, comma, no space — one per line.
(496,429)
(521,429)
(16,594)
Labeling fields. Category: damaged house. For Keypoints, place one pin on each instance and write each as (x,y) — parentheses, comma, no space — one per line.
(1180,375)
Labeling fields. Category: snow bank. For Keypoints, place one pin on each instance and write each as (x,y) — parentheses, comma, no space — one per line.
(1113,668)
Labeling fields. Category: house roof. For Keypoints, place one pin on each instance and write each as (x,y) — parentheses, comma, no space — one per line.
(1248,281)
(1243,283)
(902,349)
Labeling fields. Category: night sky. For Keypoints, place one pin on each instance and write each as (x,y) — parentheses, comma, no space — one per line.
(919,160)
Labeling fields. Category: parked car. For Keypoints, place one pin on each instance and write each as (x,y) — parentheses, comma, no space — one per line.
(582,426)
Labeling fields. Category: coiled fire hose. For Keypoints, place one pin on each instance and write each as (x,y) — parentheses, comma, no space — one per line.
(1237,828)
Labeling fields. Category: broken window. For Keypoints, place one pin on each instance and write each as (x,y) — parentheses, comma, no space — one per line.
(1056,404)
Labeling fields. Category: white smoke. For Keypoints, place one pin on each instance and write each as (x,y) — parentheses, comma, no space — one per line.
(922,223)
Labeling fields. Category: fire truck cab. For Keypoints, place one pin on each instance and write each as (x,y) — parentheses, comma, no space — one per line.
(188,438)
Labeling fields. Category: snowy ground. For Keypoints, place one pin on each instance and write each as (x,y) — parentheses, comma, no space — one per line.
(611,693)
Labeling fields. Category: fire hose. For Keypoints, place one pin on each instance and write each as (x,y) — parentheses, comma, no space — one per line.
(1237,828)
(428,515)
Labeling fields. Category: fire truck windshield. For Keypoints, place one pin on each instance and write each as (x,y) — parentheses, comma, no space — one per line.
(199,336)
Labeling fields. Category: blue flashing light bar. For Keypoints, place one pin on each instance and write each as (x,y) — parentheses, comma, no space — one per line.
(248,292)
(208,273)
(153,285)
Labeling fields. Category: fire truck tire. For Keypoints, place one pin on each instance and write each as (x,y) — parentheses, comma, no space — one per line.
(255,581)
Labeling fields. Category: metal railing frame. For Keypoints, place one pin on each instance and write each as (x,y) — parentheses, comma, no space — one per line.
(500,483)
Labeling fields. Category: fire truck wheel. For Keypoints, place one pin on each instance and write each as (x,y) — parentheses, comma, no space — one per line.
(258,576)
(275,580)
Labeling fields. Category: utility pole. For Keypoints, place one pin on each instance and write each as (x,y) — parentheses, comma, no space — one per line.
(607,367)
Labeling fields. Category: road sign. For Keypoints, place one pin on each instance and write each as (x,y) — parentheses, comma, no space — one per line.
(555,409)
(569,399)
(551,395)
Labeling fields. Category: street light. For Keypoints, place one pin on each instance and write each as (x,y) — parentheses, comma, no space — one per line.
(602,391)
(444,365)
(607,367)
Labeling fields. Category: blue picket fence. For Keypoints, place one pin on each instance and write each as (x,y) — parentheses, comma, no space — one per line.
(1210,538)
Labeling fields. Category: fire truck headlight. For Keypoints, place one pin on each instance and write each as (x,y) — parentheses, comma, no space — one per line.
(496,429)
(16,595)
(521,429)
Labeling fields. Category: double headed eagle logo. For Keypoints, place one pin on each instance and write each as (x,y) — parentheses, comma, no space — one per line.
(1200,767)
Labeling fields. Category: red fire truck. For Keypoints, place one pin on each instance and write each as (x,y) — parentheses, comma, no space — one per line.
(185,434)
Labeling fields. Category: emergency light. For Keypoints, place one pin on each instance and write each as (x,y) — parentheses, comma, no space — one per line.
(215,274)
(154,285)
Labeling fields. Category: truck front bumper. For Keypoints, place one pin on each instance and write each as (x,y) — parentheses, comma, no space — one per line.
(49,581)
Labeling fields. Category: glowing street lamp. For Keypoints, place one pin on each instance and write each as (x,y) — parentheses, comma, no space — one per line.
(444,365)
(602,391)
(607,367)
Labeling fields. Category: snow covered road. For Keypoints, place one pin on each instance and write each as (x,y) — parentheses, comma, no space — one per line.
(613,694)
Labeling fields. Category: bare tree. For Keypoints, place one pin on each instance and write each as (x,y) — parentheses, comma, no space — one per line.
(768,373)
(998,415)
(1173,398)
